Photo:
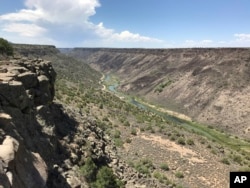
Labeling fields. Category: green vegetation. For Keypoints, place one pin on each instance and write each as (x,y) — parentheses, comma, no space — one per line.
(89,170)
(161,177)
(190,142)
(144,166)
(164,167)
(106,179)
(181,141)
(6,47)
(133,132)
(161,86)
(225,161)
(99,178)
(179,175)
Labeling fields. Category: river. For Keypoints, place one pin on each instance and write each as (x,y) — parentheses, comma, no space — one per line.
(187,124)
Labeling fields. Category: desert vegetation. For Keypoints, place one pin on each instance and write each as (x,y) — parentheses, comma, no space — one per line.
(5,47)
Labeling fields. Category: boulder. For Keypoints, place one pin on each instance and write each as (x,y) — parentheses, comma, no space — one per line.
(14,94)
(8,150)
(4,181)
(21,168)
(28,79)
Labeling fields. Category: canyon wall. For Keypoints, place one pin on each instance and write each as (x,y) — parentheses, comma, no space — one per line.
(211,85)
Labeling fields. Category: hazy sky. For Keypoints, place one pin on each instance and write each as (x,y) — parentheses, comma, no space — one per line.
(127,23)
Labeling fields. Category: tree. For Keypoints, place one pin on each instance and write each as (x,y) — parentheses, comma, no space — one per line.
(89,170)
(5,47)
(106,179)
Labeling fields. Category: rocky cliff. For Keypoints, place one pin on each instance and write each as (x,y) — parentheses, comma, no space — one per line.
(208,84)
(36,51)
(44,143)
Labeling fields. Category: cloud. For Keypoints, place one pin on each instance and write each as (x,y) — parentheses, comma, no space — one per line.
(25,30)
(206,42)
(128,36)
(124,36)
(202,43)
(64,11)
(23,15)
(63,21)
(242,37)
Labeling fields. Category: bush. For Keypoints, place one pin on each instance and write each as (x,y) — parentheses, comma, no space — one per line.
(117,134)
(190,142)
(237,158)
(126,123)
(161,177)
(5,47)
(128,140)
(179,175)
(144,166)
(181,141)
(89,170)
(118,142)
(133,132)
(106,179)
(225,161)
(164,166)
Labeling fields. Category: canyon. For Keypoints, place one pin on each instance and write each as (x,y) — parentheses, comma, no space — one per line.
(61,126)
(210,85)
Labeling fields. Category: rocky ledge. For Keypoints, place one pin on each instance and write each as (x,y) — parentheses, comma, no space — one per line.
(24,86)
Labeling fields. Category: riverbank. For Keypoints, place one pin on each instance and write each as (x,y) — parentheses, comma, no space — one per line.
(111,83)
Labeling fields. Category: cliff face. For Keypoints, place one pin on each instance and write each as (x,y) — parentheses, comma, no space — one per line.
(24,86)
(42,145)
(210,85)
(34,50)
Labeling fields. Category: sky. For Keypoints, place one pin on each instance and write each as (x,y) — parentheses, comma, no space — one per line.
(127,23)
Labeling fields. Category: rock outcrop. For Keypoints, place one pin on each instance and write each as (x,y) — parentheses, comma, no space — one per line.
(24,85)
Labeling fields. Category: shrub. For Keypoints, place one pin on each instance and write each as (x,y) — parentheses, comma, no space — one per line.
(133,131)
(190,142)
(144,166)
(101,106)
(117,134)
(106,179)
(5,47)
(172,138)
(164,166)
(161,177)
(128,140)
(118,142)
(225,161)
(89,170)
(157,175)
(127,124)
(181,141)
(237,158)
(179,175)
